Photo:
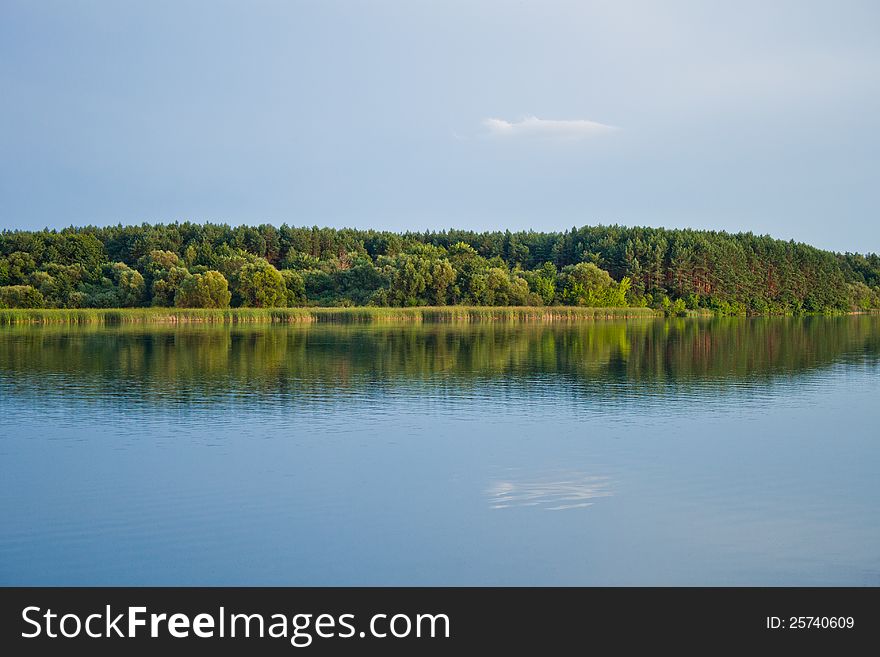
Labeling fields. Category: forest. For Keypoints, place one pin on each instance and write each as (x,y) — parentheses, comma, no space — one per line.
(190,265)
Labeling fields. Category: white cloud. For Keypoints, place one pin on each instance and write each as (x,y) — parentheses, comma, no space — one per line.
(532,126)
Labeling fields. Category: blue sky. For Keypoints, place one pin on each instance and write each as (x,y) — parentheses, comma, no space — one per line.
(761,116)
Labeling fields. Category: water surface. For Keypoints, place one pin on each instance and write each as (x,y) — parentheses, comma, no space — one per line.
(724,451)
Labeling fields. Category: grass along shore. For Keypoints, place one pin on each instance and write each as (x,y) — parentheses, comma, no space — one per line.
(365,314)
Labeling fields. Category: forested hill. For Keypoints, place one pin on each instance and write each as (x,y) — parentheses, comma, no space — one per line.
(213,265)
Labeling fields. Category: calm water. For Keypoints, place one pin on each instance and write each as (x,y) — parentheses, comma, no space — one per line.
(654,452)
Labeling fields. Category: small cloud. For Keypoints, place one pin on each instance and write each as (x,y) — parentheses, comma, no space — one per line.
(532,126)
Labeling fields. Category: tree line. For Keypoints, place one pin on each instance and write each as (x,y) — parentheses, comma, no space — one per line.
(217,265)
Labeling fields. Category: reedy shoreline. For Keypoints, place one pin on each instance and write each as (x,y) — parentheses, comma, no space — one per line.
(363,314)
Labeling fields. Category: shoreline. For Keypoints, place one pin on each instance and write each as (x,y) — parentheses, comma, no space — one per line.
(357,314)
(347,315)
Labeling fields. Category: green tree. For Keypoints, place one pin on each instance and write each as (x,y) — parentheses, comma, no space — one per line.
(584,284)
(409,276)
(163,272)
(295,285)
(16,268)
(261,285)
(157,261)
(166,284)
(208,290)
(543,282)
(21,296)
(863,297)
(729,273)
(442,278)
(129,284)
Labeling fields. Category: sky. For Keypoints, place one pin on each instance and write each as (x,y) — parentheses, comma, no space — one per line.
(759,116)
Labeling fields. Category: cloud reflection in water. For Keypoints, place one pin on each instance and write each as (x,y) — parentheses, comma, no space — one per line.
(573,492)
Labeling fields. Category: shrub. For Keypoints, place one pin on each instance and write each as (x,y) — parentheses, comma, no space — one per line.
(208,290)
(21,296)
